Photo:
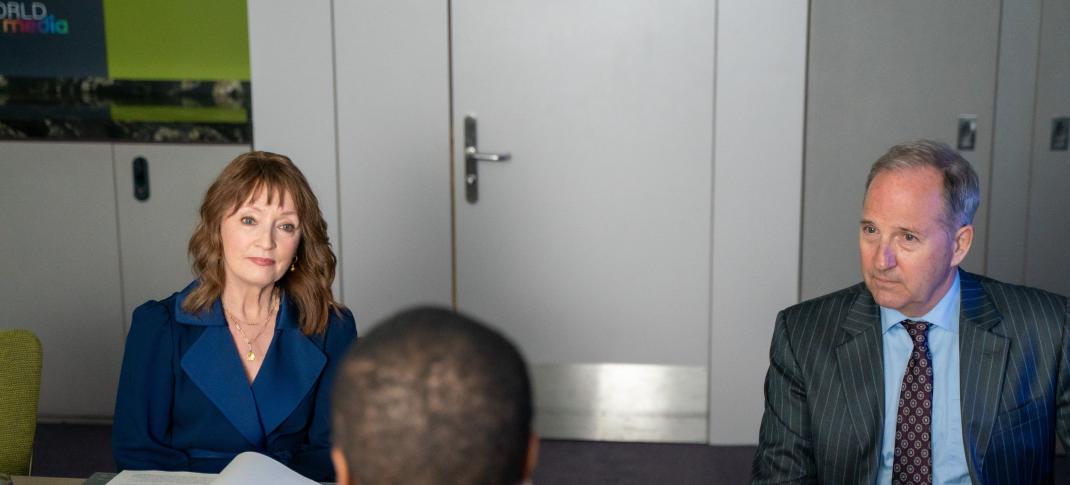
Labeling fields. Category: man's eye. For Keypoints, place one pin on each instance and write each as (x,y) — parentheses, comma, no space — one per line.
(869,229)
(247,221)
(910,237)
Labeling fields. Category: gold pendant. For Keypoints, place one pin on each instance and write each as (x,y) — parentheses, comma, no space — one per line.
(251,356)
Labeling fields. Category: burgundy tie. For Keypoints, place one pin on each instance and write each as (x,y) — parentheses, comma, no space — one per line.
(913,462)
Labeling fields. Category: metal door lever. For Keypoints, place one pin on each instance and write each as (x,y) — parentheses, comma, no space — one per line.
(471,158)
(486,157)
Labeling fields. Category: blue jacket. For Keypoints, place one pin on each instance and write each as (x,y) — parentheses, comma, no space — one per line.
(184,402)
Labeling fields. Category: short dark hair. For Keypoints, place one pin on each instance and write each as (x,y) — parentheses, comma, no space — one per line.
(431,396)
(962,190)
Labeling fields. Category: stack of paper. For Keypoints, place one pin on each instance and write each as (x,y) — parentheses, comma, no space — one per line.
(245,469)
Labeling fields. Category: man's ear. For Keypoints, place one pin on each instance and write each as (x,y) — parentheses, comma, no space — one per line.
(341,469)
(532,456)
(961,244)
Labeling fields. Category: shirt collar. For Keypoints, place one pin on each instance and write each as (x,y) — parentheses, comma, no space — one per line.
(944,315)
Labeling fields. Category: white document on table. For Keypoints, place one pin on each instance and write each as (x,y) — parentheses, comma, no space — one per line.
(249,468)
(153,477)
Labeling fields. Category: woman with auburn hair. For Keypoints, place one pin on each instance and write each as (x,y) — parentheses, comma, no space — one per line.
(244,357)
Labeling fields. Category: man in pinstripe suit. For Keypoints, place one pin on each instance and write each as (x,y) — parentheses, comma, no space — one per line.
(983,365)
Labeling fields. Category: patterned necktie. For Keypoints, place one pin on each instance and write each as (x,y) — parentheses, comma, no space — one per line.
(913,425)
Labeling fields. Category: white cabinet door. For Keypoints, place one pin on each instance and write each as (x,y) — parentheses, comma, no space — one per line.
(592,244)
(60,267)
(154,233)
(883,73)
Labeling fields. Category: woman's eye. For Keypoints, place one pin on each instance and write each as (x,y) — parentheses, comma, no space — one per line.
(248,221)
(288,227)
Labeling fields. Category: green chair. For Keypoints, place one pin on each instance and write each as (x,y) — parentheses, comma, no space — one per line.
(20,388)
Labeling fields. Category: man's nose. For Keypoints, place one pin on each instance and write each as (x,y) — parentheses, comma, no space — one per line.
(885,256)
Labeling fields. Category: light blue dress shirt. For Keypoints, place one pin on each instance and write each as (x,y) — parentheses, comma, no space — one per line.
(949,452)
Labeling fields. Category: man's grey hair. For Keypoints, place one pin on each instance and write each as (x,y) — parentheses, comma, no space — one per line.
(962,190)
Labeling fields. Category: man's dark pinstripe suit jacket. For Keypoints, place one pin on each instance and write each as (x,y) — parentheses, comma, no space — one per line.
(824,392)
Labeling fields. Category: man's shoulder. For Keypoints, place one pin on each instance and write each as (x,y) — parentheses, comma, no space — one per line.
(814,327)
(1012,288)
(1013,297)
(828,309)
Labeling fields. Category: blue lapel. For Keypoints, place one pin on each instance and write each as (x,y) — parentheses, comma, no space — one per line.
(290,370)
(983,362)
(213,364)
(859,358)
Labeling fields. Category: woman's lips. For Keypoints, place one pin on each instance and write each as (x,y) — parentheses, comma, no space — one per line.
(263,261)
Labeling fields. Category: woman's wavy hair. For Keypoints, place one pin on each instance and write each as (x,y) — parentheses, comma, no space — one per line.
(244,179)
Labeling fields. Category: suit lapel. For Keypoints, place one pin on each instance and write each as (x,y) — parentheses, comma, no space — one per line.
(983,361)
(216,369)
(290,370)
(859,358)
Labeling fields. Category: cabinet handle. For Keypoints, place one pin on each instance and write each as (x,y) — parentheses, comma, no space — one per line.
(141,179)
(1060,133)
(967,139)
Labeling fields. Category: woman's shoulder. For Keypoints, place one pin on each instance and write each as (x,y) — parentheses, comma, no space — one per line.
(157,312)
(341,315)
(341,324)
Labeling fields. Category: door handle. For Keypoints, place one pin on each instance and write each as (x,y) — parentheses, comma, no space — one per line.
(486,157)
(472,157)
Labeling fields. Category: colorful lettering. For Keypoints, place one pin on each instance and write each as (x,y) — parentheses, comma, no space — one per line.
(18,19)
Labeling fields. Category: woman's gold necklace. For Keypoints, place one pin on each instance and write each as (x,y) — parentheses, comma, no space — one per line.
(251,356)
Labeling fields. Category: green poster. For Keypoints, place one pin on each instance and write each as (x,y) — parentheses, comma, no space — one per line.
(177,39)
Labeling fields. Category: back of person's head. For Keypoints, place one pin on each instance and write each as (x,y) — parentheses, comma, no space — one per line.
(430,396)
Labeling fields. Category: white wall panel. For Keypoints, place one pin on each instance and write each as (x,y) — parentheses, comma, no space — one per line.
(1047,259)
(393,153)
(1012,145)
(758,148)
(291,63)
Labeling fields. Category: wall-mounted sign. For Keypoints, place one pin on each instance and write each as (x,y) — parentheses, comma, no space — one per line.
(53,38)
(136,70)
